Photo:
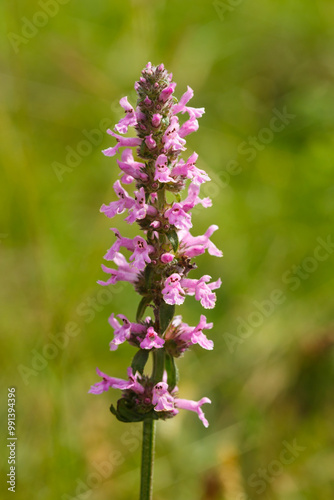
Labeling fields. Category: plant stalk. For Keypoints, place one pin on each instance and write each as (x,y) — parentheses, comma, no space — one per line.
(149,425)
(146,482)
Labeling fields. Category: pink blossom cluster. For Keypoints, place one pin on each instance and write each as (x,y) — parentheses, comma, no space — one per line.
(157,263)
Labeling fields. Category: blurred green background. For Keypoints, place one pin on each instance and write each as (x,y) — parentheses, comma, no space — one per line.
(270,376)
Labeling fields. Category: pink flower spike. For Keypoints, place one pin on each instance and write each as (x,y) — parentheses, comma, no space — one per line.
(161,398)
(166,258)
(172,291)
(121,142)
(117,207)
(187,404)
(129,120)
(141,251)
(152,340)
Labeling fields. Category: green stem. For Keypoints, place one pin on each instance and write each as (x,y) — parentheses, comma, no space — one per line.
(146,482)
(149,433)
(146,478)
(161,199)
(158,365)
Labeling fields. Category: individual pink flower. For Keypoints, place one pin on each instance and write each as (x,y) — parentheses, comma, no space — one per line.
(187,404)
(193,199)
(166,258)
(161,398)
(194,335)
(150,142)
(177,216)
(129,120)
(152,340)
(172,291)
(131,168)
(156,119)
(188,127)
(117,207)
(162,172)
(117,383)
(141,253)
(148,102)
(193,246)
(171,139)
(123,332)
(188,170)
(202,290)
(121,143)
(125,271)
(167,91)
(140,208)
(120,242)
(181,107)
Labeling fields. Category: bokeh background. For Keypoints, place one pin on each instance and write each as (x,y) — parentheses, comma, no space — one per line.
(270,376)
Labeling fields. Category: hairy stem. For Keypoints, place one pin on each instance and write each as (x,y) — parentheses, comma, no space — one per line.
(146,482)
(158,365)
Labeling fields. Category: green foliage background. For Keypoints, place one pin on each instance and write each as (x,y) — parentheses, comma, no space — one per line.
(244,60)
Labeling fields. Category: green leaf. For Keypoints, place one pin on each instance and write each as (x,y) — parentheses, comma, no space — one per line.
(139,360)
(166,316)
(142,307)
(172,371)
(127,413)
(173,238)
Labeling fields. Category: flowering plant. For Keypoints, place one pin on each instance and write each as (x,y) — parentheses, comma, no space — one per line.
(159,263)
